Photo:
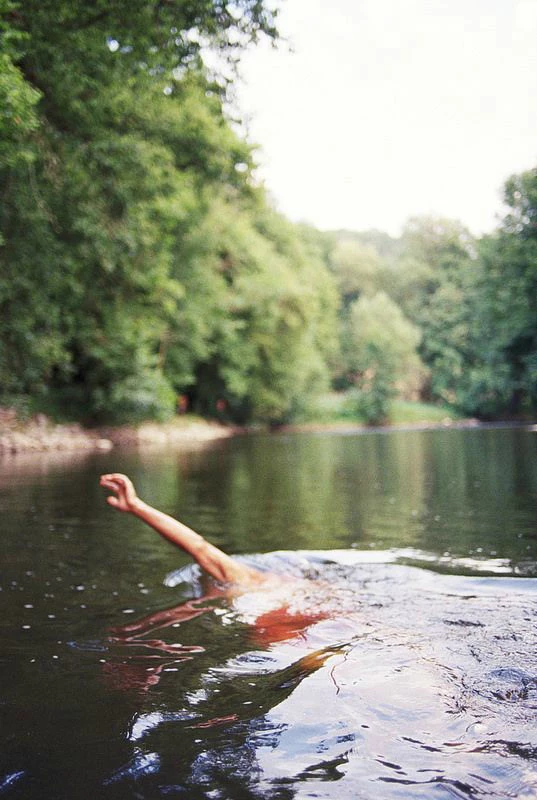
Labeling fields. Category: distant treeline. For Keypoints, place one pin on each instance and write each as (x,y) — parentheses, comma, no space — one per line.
(141,263)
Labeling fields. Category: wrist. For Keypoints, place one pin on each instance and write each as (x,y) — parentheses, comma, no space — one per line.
(136,506)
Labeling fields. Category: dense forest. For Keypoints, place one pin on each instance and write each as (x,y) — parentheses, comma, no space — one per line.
(141,261)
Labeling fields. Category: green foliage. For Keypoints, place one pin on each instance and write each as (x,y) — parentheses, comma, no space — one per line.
(345,408)
(384,354)
(408,412)
(18,118)
(145,395)
(503,375)
(139,260)
(357,268)
(386,246)
(434,252)
(433,281)
(475,303)
(267,325)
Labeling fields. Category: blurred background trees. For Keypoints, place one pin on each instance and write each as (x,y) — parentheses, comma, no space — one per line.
(140,260)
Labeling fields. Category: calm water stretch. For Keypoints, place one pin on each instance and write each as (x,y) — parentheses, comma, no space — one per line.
(398,660)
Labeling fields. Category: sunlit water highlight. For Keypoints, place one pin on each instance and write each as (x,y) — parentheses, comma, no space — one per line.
(376,676)
(360,672)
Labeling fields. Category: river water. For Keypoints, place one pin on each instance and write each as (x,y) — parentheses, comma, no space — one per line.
(395,656)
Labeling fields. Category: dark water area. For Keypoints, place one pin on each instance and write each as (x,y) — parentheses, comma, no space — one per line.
(395,658)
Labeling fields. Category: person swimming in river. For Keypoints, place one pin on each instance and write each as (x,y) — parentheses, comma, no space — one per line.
(214,562)
(272,611)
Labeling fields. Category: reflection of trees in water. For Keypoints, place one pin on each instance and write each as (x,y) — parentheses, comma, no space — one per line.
(219,753)
(210,744)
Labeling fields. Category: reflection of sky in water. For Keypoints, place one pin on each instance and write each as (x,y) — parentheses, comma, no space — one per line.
(413,680)
(419,701)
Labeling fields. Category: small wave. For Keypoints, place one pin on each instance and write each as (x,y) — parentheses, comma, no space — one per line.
(9,780)
(446,564)
(509,684)
(140,765)
(312,564)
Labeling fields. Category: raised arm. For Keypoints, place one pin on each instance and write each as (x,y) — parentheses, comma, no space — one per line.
(210,558)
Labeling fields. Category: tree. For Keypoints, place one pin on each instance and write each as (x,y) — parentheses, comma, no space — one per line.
(503,376)
(268,321)
(384,357)
(111,133)
(141,261)
(434,281)
(357,268)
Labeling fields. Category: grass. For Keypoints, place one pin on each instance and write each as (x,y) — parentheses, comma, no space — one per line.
(405,411)
(337,407)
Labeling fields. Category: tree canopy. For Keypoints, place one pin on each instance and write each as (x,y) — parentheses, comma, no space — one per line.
(140,260)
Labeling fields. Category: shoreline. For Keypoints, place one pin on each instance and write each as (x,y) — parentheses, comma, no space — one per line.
(42,435)
(357,427)
(447,424)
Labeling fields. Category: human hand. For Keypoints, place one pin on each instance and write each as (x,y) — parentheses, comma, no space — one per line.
(125,494)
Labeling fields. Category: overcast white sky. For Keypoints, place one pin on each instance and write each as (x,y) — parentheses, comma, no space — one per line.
(390,108)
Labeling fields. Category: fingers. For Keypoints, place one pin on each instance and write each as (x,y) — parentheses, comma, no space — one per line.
(117,483)
(115,478)
(109,485)
(122,487)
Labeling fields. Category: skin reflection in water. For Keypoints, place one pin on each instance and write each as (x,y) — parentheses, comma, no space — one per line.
(222,717)
(276,625)
(218,718)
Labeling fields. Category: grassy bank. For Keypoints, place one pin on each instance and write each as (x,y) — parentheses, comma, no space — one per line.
(30,429)
(340,407)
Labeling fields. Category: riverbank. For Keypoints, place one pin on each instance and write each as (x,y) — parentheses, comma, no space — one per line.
(349,427)
(41,434)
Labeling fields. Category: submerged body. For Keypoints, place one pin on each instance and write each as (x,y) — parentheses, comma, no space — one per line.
(272,605)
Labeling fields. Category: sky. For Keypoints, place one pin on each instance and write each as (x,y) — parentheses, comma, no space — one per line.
(379,110)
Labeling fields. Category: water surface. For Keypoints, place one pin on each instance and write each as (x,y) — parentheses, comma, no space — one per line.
(398,658)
